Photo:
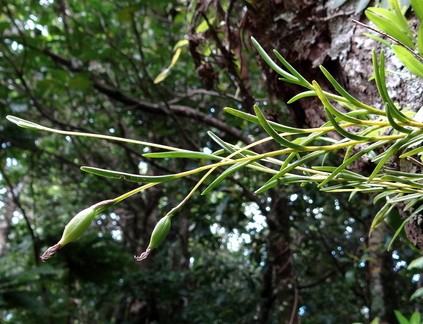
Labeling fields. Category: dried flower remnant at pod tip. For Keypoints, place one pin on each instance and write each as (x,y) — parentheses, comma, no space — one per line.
(160,232)
(77,226)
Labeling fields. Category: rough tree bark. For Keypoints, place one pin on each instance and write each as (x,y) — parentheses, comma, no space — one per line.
(279,293)
(311,33)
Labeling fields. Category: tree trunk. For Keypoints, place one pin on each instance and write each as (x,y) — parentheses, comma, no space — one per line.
(279,293)
(5,228)
(381,277)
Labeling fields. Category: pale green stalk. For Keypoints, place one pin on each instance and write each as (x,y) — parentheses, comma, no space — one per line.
(133,192)
(360,105)
(27,124)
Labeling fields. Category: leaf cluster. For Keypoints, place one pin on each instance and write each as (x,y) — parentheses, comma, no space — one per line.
(405,41)
(364,132)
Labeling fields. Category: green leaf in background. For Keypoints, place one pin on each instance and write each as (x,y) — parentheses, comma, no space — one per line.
(380,216)
(180,44)
(418,8)
(415,318)
(127,176)
(409,60)
(399,231)
(401,318)
(126,14)
(338,3)
(177,52)
(420,39)
(416,264)
(4,25)
(395,7)
(388,22)
(80,82)
(204,26)
(361,5)
(417,294)
(165,73)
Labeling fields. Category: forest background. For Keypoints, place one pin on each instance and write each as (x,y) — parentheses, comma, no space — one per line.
(162,72)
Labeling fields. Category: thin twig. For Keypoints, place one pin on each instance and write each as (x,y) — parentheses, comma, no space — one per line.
(417,56)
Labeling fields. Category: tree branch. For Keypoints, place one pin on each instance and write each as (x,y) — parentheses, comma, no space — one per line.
(155,108)
(16,201)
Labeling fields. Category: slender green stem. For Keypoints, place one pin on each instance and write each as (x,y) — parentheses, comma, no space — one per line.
(227,161)
(194,189)
(360,105)
(27,124)
(397,185)
(133,192)
(268,156)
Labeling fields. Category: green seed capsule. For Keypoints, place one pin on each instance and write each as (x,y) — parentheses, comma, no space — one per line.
(77,226)
(160,232)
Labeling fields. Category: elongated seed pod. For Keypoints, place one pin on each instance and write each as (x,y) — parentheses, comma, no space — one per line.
(77,226)
(160,232)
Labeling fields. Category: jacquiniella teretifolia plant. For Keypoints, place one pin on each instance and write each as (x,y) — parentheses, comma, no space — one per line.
(365,131)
